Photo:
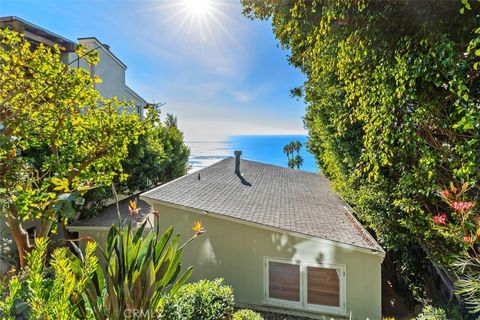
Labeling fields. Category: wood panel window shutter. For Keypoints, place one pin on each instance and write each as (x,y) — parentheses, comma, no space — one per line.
(284,281)
(323,286)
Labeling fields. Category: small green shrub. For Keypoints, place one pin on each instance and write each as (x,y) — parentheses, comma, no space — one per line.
(206,300)
(245,314)
(432,313)
(52,289)
(441,313)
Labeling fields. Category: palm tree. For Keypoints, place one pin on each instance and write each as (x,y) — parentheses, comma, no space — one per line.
(297,146)
(291,163)
(288,150)
(298,161)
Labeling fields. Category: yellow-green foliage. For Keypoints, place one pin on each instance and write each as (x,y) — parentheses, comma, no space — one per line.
(159,156)
(58,136)
(393,108)
(245,314)
(200,300)
(53,292)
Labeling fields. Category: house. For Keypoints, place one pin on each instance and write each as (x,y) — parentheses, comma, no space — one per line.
(110,68)
(280,237)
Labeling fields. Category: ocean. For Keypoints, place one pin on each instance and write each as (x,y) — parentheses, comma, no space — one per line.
(267,149)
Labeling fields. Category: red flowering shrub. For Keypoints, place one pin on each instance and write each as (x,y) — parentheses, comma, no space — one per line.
(462,225)
(440,219)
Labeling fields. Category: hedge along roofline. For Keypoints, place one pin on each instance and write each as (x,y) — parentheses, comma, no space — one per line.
(96,228)
(152,202)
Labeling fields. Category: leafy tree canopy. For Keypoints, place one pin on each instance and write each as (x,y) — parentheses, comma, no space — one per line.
(393,108)
(58,138)
(159,156)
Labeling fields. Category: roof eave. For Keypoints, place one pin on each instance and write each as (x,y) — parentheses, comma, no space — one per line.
(371,251)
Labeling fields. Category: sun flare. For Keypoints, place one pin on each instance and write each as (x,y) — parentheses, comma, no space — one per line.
(198,7)
(201,19)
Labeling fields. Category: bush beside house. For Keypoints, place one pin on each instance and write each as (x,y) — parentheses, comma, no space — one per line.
(245,314)
(209,300)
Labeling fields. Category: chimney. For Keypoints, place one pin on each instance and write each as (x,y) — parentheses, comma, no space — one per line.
(237,153)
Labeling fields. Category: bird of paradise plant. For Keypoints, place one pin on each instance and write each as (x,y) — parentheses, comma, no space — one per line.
(139,270)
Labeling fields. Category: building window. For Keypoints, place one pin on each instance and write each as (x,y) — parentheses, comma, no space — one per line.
(284,281)
(323,286)
(309,286)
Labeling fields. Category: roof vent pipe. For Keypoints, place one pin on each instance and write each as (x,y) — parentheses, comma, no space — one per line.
(237,153)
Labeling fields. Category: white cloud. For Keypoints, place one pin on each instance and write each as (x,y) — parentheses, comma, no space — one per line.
(207,122)
(242,96)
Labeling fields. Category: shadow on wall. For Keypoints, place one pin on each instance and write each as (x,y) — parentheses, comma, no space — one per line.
(242,248)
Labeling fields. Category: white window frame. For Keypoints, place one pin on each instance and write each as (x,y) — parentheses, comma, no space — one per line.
(303,303)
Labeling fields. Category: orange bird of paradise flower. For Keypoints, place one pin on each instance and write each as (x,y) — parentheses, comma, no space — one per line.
(133,208)
(198,228)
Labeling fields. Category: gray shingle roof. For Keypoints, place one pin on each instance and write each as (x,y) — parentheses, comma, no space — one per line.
(273,196)
(109,215)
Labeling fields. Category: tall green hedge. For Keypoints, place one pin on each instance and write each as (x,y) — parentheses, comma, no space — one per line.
(393,107)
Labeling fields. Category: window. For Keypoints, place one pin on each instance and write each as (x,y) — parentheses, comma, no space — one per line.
(310,286)
(323,286)
(284,281)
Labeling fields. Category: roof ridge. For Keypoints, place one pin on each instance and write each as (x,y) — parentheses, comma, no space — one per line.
(283,168)
(146,193)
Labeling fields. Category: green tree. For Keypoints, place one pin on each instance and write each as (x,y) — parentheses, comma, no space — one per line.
(171,121)
(297,146)
(392,107)
(159,156)
(58,136)
(298,161)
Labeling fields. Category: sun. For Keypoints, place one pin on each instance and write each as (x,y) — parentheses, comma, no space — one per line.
(201,19)
(198,7)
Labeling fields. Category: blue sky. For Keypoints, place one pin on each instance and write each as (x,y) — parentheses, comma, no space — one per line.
(219,72)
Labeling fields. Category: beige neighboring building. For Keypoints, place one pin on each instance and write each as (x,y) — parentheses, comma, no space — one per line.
(280,237)
(110,68)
